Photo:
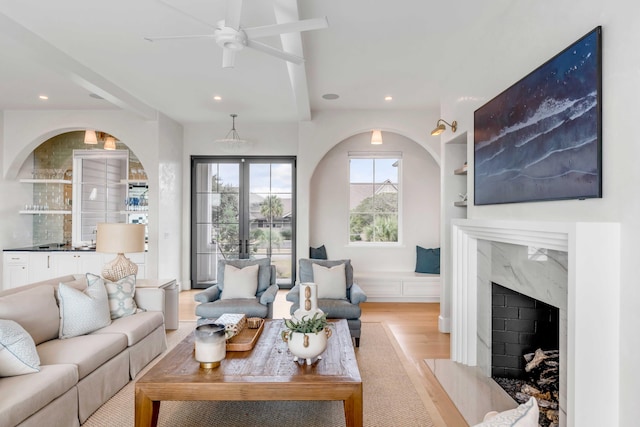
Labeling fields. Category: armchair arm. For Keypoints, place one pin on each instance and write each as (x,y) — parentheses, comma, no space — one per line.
(269,295)
(356,294)
(208,295)
(294,294)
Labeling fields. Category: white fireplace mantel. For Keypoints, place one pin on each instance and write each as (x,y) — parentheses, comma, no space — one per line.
(593,300)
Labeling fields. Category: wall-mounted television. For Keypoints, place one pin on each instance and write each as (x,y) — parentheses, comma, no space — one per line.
(541,139)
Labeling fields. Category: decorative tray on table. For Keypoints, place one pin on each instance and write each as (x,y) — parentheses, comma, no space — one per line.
(246,339)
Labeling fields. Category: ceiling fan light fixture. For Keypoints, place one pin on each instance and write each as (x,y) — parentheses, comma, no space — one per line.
(440,127)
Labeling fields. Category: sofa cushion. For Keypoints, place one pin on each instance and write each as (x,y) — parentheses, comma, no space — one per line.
(85,311)
(331,281)
(24,395)
(135,328)
(87,352)
(35,310)
(120,294)
(18,355)
(306,269)
(240,282)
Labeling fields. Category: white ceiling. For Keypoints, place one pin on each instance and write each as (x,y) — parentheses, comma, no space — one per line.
(68,49)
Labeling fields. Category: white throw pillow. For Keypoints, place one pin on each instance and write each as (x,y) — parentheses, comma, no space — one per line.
(120,294)
(331,281)
(83,312)
(525,415)
(18,355)
(240,283)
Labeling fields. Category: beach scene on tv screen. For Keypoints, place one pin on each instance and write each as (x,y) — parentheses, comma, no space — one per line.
(538,140)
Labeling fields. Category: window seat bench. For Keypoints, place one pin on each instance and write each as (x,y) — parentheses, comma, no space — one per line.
(399,286)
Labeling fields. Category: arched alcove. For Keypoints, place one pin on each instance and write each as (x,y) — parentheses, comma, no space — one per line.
(49,167)
(329,202)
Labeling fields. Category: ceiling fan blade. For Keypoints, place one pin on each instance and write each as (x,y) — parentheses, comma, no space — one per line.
(228,58)
(287,27)
(194,36)
(234,8)
(275,52)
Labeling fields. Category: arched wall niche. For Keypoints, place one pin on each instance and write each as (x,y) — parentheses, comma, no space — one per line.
(420,203)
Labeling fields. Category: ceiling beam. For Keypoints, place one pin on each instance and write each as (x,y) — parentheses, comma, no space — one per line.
(50,56)
(287,11)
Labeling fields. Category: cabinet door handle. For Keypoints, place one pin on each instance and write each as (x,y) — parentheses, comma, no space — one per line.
(48,256)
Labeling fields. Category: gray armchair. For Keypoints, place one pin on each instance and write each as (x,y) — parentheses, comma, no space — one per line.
(348,308)
(261,305)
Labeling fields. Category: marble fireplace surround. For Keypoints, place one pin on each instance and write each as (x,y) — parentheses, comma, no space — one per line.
(589,303)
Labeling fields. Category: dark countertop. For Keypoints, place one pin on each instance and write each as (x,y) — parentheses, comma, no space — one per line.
(52,247)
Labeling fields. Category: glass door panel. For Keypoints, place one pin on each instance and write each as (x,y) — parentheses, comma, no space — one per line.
(242,208)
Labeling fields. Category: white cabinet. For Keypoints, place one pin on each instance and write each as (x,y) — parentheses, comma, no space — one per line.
(24,267)
(41,266)
(399,286)
(15,269)
(77,263)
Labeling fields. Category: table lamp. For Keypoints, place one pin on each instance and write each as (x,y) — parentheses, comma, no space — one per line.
(119,238)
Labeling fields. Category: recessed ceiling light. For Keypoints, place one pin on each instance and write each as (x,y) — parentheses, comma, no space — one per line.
(43,97)
(217,98)
(388,98)
(330,96)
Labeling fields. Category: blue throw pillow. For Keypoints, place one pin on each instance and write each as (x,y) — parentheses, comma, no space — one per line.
(427,260)
(318,253)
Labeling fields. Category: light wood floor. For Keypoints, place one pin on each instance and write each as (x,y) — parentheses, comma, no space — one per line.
(415,327)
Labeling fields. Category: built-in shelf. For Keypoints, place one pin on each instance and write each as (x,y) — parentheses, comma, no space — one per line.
(45,181)
(460,204)
(146,211)
(460,171)
(48,212)
(134,181)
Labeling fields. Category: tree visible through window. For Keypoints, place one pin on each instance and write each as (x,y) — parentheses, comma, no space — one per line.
(374,189)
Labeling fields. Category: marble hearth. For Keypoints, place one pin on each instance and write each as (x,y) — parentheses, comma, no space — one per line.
(580,275)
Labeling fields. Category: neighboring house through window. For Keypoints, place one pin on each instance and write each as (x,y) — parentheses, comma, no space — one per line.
(374,197)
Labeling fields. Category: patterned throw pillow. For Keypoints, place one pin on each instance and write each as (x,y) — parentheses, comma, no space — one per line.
(18,355)
(525,415)
(121,293)
(83,312)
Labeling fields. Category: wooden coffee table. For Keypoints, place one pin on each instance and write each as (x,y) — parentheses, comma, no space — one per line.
(267,372)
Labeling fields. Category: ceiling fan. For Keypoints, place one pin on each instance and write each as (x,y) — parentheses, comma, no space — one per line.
(231,37)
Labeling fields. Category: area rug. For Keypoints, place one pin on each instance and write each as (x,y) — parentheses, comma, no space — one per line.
(389,392)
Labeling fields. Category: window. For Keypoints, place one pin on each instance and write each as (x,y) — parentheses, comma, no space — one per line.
(374,194)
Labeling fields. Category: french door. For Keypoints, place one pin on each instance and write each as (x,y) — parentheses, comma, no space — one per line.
(242,208)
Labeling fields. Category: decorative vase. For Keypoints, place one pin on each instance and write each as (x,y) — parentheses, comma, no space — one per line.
(307,345)
(308,301)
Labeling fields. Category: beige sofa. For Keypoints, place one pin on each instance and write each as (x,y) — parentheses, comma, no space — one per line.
(77,374)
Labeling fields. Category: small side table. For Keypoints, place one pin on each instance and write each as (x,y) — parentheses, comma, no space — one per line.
(171,292)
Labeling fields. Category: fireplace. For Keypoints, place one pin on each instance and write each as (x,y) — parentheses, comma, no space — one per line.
(581,277)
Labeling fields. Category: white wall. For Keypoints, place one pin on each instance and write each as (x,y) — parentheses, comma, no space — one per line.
(528,34)
(420,215)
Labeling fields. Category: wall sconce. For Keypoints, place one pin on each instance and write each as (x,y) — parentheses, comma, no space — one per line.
(440,127)
(90,137)
(376,137)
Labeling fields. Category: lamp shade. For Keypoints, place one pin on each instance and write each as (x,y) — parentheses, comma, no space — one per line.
(90,137)
(119,238)
(110,143)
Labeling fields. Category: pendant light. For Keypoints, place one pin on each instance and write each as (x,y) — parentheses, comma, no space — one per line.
(232,143)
